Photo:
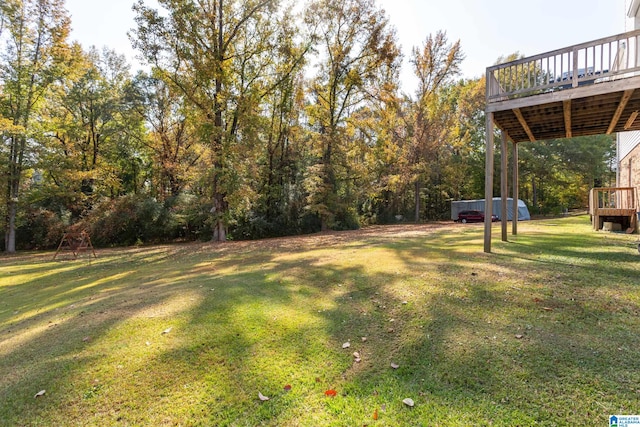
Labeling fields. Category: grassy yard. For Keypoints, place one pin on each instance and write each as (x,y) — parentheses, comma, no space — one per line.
(544,331)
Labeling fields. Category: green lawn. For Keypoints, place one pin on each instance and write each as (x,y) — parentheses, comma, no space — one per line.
(544,331)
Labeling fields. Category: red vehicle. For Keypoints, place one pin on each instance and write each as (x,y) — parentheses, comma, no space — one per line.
(474,216)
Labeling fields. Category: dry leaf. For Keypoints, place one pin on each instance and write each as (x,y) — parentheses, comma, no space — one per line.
(331,393)
(40,393)
(357,360)
(318,379)
(375,414)
(519,336)
(262,397)
(85,339)
(287,387)
(166,331)
(356,355)
(405,302)
(395,365)
(364,339)
(346,345)
(547,308)
(408,402)
(390,330)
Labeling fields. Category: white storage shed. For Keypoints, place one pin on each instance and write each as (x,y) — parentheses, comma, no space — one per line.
(465,205)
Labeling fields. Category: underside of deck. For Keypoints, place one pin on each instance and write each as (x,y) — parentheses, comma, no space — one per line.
(601,108)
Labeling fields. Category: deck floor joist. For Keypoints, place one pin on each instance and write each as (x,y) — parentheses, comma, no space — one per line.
(592,111)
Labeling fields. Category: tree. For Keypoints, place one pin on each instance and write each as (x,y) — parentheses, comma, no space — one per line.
(217,54)
(558,174)
(34,37)
(91,150)
(436,63)
(282,155)
(356,46)
(174,145)
(465,173)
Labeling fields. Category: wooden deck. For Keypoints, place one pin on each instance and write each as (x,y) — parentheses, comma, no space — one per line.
(614,204)
(586,89)
(580,90)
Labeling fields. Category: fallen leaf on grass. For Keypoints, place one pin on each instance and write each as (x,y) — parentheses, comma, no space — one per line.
(408,402)
(287,387)
(40,393)
(346,345)
(331,393)
(262,397)
(547,308)
(375,414)
(390,330)
(364,339)
(519,336)
(356,355)
(166,331)
(395,365)
(85,339)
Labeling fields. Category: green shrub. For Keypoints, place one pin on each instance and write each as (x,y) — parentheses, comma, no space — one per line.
(39,229)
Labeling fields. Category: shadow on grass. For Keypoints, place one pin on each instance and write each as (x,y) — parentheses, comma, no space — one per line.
(509,339)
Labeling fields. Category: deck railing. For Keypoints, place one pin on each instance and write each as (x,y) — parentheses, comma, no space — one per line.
(609,198)
(587,63)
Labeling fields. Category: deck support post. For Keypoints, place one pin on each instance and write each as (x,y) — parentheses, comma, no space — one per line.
(516,195)
(504,185)
(488,183)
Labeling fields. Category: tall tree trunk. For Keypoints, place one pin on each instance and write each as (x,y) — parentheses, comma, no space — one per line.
(534,190)
(220,205)
(218,212)
(219,232)
(330,186)
(324,226)
(10,233)
(417,201)
(18,145)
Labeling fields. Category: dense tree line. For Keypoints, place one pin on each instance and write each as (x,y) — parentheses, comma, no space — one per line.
(252,120)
